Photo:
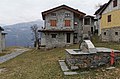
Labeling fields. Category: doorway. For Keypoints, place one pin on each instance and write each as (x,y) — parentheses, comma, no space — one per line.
(68,37)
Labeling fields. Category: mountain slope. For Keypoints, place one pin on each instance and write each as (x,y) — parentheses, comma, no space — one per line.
(20,34)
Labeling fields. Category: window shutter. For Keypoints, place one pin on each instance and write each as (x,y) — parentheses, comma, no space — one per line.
(67,23)
(109,18)
(53,23)
(114,3)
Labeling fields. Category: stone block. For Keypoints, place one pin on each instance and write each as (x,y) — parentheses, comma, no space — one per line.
(63,65)
(70,73)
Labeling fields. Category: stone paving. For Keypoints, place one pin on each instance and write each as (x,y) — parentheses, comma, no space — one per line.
(12,55)
(65,69)
(70,73)
(63,65)
(110,68)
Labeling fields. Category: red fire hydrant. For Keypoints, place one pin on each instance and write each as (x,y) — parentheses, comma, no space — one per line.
(112,55)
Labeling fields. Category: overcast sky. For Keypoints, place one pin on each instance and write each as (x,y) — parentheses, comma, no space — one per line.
(16,11)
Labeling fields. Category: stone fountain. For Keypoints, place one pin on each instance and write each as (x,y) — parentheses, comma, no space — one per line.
(89,56)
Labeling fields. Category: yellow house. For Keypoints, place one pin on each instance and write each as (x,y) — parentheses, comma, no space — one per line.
(110,21)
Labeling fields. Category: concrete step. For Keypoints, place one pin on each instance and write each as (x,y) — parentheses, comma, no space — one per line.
(65,68)
(63,65)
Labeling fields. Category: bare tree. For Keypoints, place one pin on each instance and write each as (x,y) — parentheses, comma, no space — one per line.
(34,29)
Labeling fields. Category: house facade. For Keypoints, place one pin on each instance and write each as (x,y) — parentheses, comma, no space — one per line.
(63,25)
(88,26)
(2,39)
(98,15)
(110,21)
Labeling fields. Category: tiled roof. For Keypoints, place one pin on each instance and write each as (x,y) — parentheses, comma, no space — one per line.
(62,7)
(1,29)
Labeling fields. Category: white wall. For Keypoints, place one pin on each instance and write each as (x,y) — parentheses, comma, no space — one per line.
(3,42)
(111,8)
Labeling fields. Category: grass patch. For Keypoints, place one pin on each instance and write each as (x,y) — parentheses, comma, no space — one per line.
(39,64)
(98,43)
(35,64)
(2,54)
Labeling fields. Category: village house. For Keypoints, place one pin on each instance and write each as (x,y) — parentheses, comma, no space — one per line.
(98,14)
(110,21)
(88,26)
(2,39)
(64,25)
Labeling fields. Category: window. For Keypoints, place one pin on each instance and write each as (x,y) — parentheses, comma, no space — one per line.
(104,33)
(114,3)
(116,33)
(67,14)
(53,14)
(109,18)
(67,23)
(53,35)
(87,21)
(53,23)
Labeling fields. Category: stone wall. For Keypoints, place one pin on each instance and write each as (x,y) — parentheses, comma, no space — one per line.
(111,34)
(90,60)
(60,18)
(111,8)
(105,35)
(59,41)
(3,42)
(78,28)
(43,39)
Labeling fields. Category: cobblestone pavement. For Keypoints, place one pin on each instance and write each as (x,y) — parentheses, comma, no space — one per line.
(12,55)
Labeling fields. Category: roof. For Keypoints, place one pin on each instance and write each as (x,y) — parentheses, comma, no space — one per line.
(106,6)
(3,33)
(90,16)
(1,29)
(100,9)
(56,30)
(76,11)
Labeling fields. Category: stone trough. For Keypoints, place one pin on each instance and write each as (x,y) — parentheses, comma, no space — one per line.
(89,56)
